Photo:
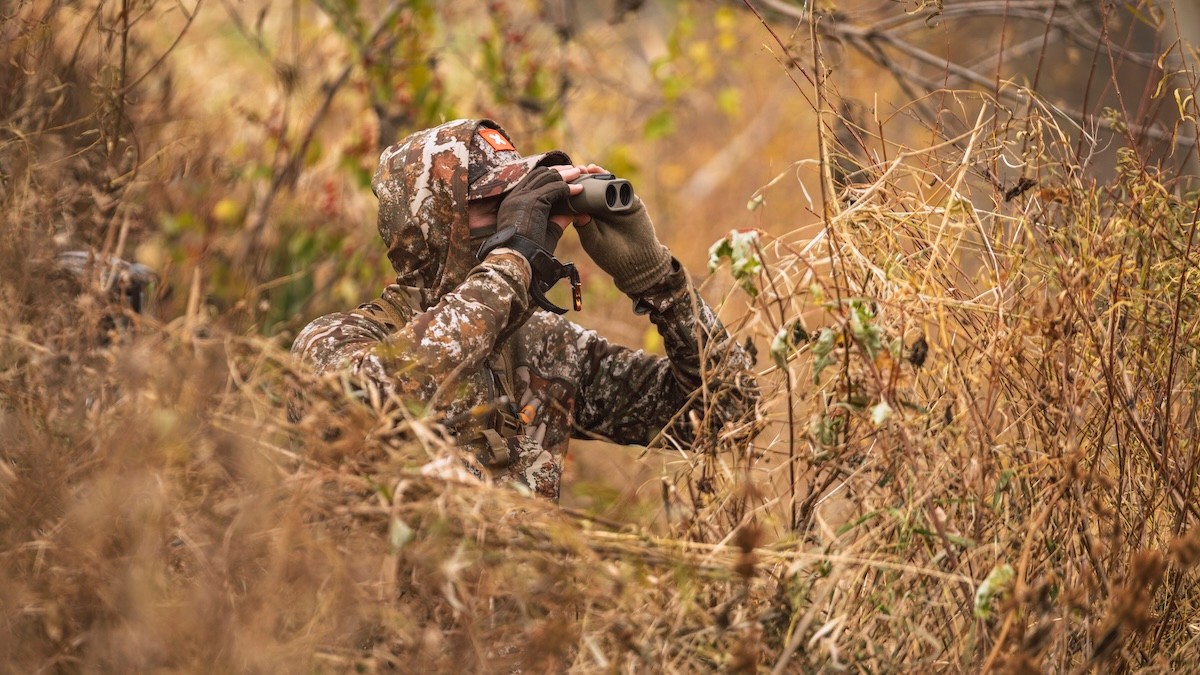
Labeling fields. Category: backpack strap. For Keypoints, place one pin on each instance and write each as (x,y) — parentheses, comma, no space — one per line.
(503,437)
(510,423)
(393,309)
(497,448)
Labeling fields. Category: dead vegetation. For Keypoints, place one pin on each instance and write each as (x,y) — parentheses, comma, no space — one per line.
(980,448)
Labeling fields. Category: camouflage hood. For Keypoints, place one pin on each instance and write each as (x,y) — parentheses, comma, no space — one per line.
(423,185)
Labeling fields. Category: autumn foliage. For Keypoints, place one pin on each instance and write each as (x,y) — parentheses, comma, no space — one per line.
(973,308)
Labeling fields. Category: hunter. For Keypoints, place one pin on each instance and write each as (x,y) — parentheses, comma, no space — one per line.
(465,329)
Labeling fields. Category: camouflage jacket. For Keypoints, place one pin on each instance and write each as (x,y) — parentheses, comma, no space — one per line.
(514,385)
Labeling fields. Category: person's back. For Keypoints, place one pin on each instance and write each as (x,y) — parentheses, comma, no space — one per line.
(461,333)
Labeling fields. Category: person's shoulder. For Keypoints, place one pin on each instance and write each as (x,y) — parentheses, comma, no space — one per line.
(331,332)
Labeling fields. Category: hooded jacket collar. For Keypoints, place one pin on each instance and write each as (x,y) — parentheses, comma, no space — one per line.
(421,183)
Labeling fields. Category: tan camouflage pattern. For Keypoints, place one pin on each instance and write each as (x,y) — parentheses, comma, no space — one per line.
(420,183)
(502,178)
(513,385)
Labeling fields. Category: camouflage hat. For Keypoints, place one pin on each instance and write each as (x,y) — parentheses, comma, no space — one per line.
(496,166)
(422,185)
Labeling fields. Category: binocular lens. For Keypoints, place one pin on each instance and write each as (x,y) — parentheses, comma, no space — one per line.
(602,193)
(618,195)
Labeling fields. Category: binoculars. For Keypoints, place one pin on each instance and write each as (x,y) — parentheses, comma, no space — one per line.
(602,193)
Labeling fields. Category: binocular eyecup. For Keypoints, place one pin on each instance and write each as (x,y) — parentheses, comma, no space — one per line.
(602,193)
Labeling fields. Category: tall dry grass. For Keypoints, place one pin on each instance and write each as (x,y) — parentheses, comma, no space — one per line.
(979,450)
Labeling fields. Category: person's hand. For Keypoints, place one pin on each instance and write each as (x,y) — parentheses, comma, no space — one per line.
(524,226)
(570,173)
(525,212)
(625,246)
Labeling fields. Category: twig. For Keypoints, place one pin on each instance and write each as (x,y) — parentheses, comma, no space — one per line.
(289,171)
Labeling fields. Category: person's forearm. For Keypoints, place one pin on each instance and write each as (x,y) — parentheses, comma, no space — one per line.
(701,351)
(630,397)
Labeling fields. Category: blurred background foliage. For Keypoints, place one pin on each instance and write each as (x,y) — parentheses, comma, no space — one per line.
(240,137)
(229,145)
(263,177)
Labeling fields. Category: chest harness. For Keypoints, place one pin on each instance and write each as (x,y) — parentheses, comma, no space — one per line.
(491,430)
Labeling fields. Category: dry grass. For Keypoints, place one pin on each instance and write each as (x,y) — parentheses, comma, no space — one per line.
(992,374)
(980,445)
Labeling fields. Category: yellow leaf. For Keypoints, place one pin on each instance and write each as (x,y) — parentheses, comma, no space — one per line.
(652,341)
(227,211)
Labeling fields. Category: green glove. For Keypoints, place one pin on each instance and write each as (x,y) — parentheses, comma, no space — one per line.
(624,245)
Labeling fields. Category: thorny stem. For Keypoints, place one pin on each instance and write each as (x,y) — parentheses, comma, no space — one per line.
(1110,383)
(1001,53)
(791,421)
(119,92)
(1108,50)
(818,85)
(1171,360)
(791,63)
(787,379)
(826,184)
(1087,96)
(1037,78)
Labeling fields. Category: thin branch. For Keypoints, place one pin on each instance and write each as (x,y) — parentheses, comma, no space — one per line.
(871,41)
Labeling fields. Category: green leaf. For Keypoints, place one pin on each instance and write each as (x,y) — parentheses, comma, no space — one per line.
(959,540)
(957,205)
(863,328)
(399,534)
(674,86)
(993,587)
(313,154)
(741,249)
(660,125)
(720,249)
(729,100)
(823,351)
(826,428)
(788,337)
(856,522)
